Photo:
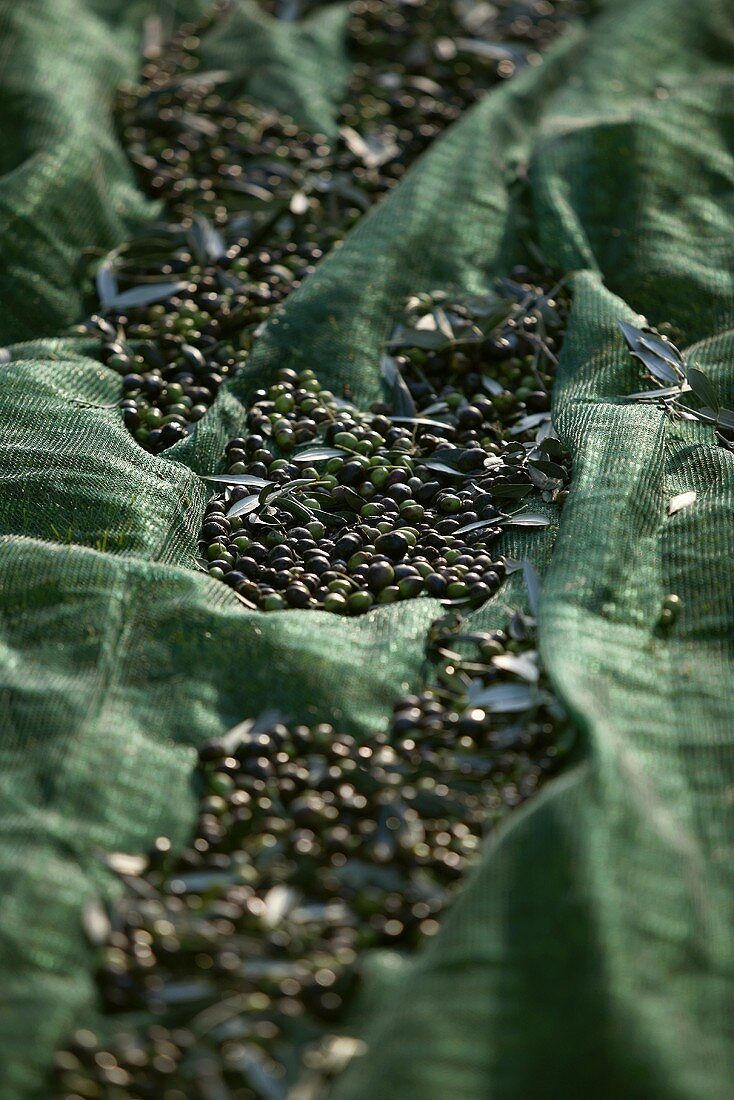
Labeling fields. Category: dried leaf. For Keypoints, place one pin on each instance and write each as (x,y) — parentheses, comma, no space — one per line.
(299,203)
(682,500)
(278,901)
(124,864)
(374,150)
(95,922)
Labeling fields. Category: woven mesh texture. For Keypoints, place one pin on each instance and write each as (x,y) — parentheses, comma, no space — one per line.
(591,953)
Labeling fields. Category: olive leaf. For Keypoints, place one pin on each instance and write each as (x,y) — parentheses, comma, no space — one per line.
(705,390)
(423,339)
(397,390)
(477,526)
(442,468)
(661,347)
(144,295)
(533,420)
(491,51)
(238,479)
(199,123)
(553,447)
(551,469)
(492,386)
(318,454)
(533,585)
(657,394)
(298,510)
(106,280)
(511,490)
(245,506)
(524,665)
(205,241)
(243,599)
(422,420)
(725,417)
(660,358)
(527,519)
(504,698)
(374,150)
(512,566)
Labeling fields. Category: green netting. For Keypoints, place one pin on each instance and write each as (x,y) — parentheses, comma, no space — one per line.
(591,954)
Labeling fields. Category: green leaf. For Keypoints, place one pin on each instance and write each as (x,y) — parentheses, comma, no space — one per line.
(514,490)
(725,417)
(661,358)
(245,506)
(206,243)
(442,468)
(476,526)
(492,386)
(533,585)
(524,665)
(238,479)
(504,698)
(551,469)
(318,454)
(528,519)
(106,281)
(704,389)
(397,390)
(422,420)
(657,394)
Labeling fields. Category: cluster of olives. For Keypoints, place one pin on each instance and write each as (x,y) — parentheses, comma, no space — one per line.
(257,201)
(358,511)
(491,359)
(330,508)
(311,848)
(420,65)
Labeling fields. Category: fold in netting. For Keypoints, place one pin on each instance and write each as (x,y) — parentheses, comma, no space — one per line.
(591,953)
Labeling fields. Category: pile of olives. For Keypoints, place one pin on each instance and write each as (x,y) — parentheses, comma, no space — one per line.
(312,848)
